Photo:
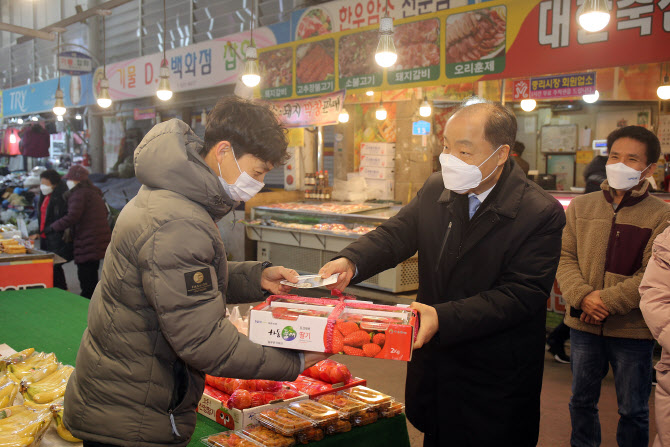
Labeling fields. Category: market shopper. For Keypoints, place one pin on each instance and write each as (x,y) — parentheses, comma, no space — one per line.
(517,152)
(51,207)
(606,246)
(489,243)
(157,320)
(87,219)
(655,307)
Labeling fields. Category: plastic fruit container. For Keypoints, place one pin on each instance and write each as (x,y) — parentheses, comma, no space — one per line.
(283,422)
(338,426)
(229,439)
(374,399)
(393,410)
(364,418)
(346,406)
(267,437)
(318,413)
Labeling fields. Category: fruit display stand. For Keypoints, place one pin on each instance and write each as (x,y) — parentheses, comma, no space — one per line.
(307,239)
(53,320)
(33,269)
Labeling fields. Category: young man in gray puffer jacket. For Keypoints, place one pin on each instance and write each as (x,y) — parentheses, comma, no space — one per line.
(157,320)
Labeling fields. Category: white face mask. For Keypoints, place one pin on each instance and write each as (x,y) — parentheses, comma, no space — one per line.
(244,188)
(620,176)
(461,177)
(71,184)
(46,190)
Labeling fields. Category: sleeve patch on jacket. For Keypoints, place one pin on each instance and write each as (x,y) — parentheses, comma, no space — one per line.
(199,281)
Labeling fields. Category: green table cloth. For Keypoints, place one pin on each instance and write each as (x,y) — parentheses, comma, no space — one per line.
(53,320)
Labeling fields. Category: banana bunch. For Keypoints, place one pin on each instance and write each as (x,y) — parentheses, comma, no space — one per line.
(21,426)
(15,358)
(51,387)
(60,427)
(8,391)
(34,368)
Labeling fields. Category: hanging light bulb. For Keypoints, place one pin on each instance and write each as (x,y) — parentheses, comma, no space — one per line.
(12,138)
(591,98)
(20,121)
(386,55)
(370,93)
(528,105)
(164,92)
(425,109)
(380,113)
(59,105)
(663,91)
(34,118)
(344,116)
(59,117)
(104,100)
(593,15)
(77,116)
(251,76)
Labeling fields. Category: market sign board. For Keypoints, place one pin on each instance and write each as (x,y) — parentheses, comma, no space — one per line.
(420,128)
(317,111)
(147,113)
(74,63)
(40,96)
(549,87)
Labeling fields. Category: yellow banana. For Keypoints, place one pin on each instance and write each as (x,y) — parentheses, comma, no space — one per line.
(16,441)
(24,424)
(11,411)
(16,357)
(60,428)
(35,368)
(8,392)
(51,387)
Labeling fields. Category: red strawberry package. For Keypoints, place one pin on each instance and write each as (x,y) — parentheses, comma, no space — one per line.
(335,326)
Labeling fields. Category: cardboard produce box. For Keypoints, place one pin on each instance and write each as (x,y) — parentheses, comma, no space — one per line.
(378,149)
(377,173)
(335,326)
(213,408)
(377,161)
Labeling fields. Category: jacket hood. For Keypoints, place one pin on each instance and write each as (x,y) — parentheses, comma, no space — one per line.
(167,158)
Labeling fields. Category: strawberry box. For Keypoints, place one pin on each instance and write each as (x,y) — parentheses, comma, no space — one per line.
(334,326)
(213,406)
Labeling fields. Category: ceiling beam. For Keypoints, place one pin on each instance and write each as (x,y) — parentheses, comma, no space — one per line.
(27,31)
(96,10)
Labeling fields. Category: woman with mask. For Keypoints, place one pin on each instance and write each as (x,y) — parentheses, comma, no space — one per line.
(51,207)
(87,218)
(157,321)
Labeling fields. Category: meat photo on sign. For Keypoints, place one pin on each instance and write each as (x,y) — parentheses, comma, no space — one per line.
(356,54)
(417,44)
(476,35)
(314,22)
(315,61)
(276,70)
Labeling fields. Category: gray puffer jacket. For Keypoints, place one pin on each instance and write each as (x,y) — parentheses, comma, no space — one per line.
(156,322)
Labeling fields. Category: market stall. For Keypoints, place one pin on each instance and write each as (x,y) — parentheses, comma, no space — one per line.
(54,321)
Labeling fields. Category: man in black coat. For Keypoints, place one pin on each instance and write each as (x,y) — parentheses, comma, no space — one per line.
(485,272)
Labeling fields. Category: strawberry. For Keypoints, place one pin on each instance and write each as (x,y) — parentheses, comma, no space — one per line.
(353,351)
(357,339)
(379,339)
(346,327)
(338,341)
(339,373)
(371,349)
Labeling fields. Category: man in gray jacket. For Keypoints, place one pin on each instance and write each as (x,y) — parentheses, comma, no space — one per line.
(156,322)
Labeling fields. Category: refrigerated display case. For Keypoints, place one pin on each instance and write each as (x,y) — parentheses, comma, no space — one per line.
(306,235)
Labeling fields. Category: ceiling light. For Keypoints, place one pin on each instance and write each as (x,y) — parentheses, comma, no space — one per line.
(386,55)
(12,137)
(528,105)
(59,105)
(663,91)
(77,116)
(380,113)
(424,109)
(591,98)
(370,93)
(34,118)
(59,117)
(593,15)
(251,76)
(344,116)
(104,100)
(164,92)
(20,121)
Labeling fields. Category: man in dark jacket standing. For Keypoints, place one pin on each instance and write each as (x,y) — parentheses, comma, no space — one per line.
(489,242)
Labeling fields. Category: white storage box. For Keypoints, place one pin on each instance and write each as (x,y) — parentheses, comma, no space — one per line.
(387,188)
(377,173)
(378,149)
(377,161)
